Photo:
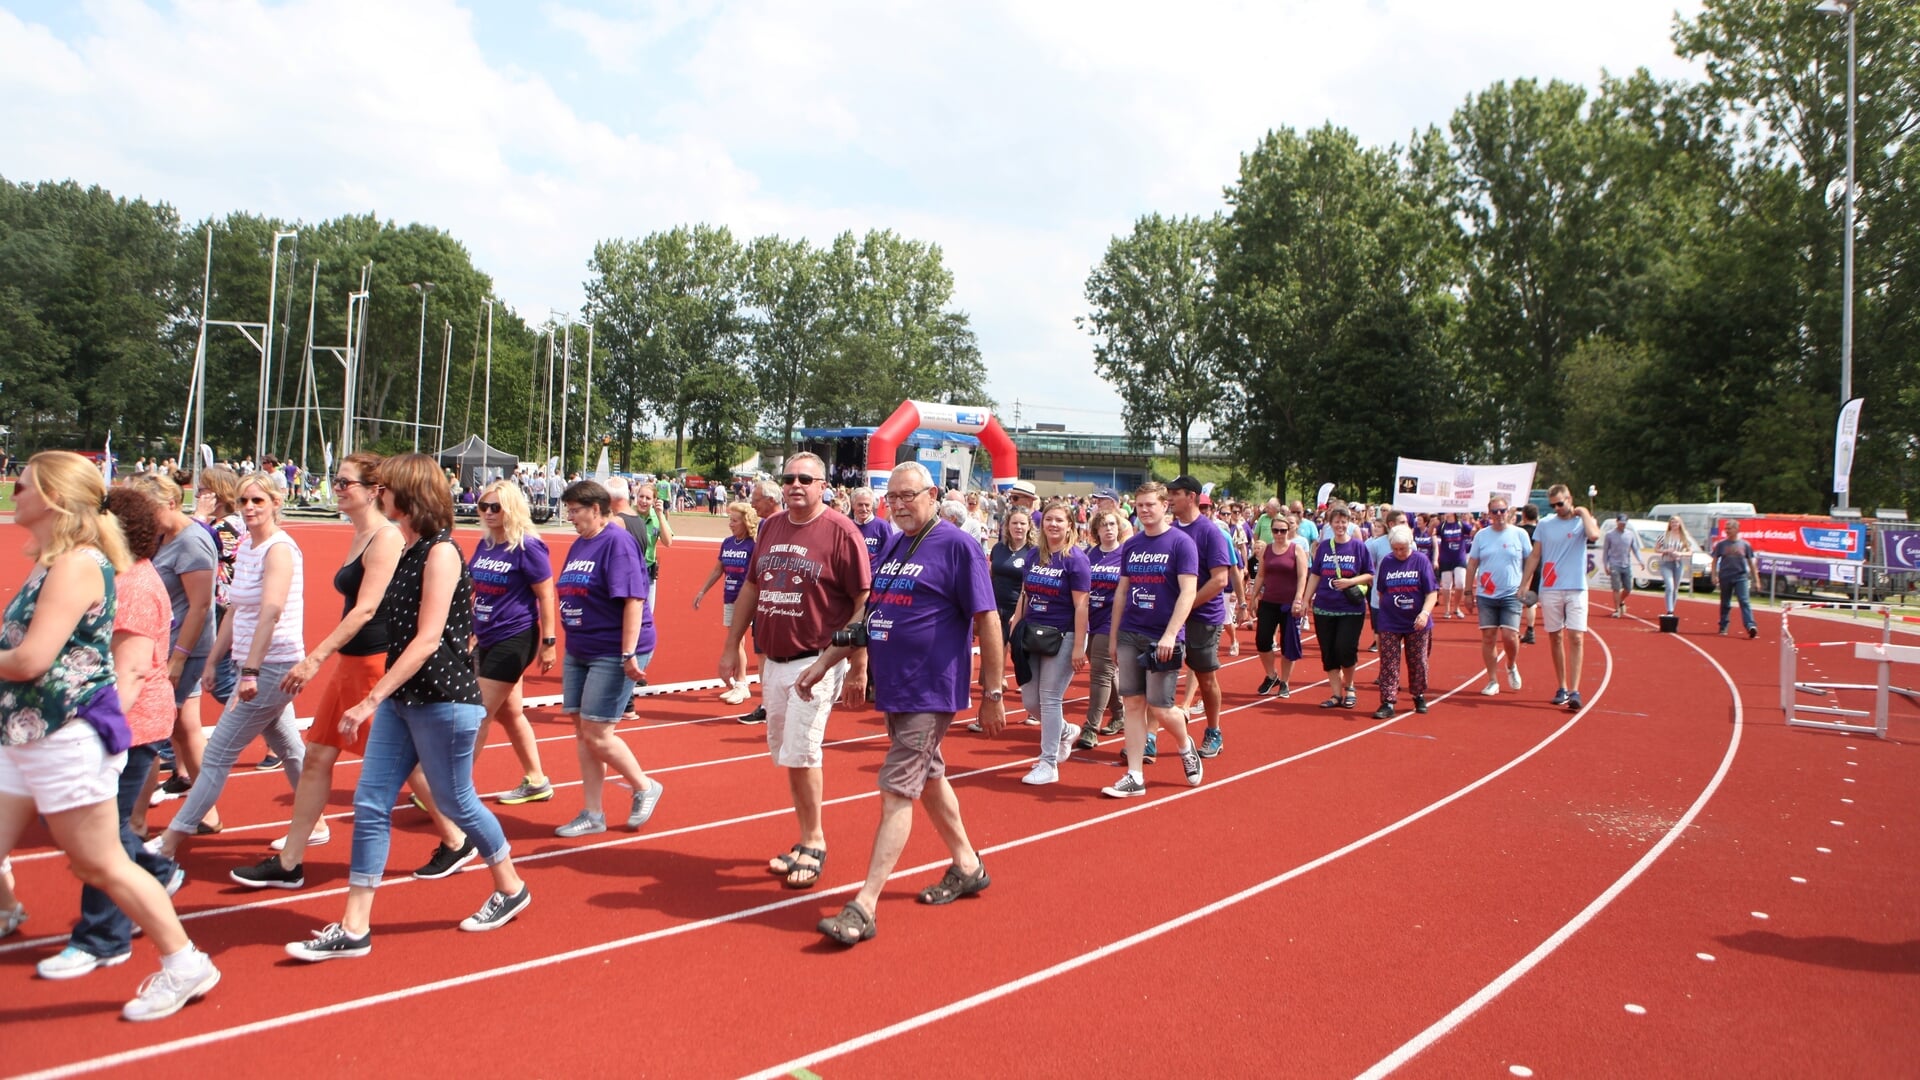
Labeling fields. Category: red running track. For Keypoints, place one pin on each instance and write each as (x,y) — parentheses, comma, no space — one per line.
(1484,889)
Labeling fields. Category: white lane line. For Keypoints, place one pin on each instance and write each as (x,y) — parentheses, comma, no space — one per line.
(272,1023)
(1440,1028)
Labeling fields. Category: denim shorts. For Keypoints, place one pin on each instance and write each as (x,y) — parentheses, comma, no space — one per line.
(1502,612)
(596,687)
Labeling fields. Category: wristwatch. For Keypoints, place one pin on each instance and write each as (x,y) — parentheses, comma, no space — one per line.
(548,640)
(993,695)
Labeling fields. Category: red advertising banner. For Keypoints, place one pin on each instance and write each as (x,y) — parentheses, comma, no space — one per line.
(1804,538)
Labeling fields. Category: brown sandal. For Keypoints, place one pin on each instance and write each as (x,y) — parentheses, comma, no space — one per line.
(956,885)
(851,927)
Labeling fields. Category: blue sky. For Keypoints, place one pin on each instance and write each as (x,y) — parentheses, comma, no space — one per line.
(1020,136)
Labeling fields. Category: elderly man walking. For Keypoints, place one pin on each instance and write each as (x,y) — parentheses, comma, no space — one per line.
(1494,564)
(807,579)
(932,596)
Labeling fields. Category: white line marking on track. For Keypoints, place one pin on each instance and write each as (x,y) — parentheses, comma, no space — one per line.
(1441,1027)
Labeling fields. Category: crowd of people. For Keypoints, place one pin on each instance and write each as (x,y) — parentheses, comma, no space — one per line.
(136,608)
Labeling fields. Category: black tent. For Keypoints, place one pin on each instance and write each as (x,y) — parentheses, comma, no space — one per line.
(477,464)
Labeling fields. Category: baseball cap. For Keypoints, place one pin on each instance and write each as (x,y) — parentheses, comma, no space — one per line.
(1185,483)
(1107,493)
(1205,500)
(1022,487)
(1620,517)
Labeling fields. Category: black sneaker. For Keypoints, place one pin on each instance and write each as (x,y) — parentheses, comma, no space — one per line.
(175,787)
(1268,685)
(1527,638)
(757,716)
(498,911)
(446,860)
(269,763)
(1384,712)
(332,943)
(269,874)
(1420,705)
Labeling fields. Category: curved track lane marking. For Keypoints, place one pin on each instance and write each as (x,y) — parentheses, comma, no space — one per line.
(994,993)
(256,1027)
(1446,1024)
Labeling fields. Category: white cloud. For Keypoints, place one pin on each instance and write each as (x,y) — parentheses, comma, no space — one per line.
(1019,136)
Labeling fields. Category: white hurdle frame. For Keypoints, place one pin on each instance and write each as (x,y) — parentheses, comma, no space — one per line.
(1885,654)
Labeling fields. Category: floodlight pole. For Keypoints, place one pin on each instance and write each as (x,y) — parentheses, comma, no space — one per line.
(486,412)
(200,365)
(266,354)
(420,358)
(586,414)
(566,390)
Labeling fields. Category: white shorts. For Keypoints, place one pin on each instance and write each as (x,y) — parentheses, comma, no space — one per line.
(1455,576)
(66,770)
(726,615)
(1564,609)
(796,726)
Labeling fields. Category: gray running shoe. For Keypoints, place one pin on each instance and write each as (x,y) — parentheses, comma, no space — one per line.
(585,824)
(643,804)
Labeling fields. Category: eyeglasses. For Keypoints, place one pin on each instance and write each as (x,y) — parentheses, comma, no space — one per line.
(897,497)
(341,483)
(488,507)
(255,500)
(797,478)
(1558,505)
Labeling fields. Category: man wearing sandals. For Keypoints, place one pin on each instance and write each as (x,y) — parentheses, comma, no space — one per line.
(932,582)
(808,578)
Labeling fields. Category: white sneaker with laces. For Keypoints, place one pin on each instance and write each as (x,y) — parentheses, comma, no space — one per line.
(1513,677)
(71,963)
(1041,773)
(1492,689)
(165,992)
(1067,737)
(1129,786)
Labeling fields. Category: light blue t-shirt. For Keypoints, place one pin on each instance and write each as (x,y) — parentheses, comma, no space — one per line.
(1378,547)
(1563,553)
(1501,555)
(1308,531)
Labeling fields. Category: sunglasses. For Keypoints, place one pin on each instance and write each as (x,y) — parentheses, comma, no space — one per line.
(489,507)
(255,500)
(798,478)
(1558,505)
(1496,509)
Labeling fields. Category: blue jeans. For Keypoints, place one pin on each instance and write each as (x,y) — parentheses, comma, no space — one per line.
(1670,572)
(1741,588)
(439,738)
(1045,696)
(104,930)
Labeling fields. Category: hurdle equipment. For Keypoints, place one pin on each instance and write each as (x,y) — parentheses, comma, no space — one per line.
(1884,655)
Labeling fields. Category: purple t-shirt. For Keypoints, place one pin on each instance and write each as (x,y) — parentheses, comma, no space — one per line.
(735,555)
(920,622)
(876,533)
(1330,561)
(1152,566)
(1403,586)
(1214,550)
(600,574)
(1454,537)
(1103,576)
(1051,584)
(503,581)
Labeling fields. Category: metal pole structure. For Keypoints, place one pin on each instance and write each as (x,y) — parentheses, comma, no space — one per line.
(1847,8)
(306,373)
(266,355)
(420,358)
(200,365)
(446,363)
(566,390)
(586,413)
(486,414)
(546,454)
(286,342)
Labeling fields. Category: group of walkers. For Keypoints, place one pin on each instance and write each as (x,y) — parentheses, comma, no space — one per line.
(135,609)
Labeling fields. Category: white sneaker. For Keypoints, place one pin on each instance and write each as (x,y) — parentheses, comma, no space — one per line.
(1513,677)
(71,963)
(315,838)
(163,993)
(1492,689)
(1067,738)
(1041,773)
(734,696)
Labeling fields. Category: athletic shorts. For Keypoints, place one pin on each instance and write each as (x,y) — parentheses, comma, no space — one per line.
(1203,644)
(348,680)
(913,752)
(65,771)
(1132,680)
(1502,612)
(505,661)
(1564,609)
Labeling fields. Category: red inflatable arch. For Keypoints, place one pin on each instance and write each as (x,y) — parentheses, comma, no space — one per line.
(885,441)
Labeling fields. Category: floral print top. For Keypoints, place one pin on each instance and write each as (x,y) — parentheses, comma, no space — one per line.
(30,711)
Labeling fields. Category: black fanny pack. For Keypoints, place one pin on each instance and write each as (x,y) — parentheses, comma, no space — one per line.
(1150,658)
(1042,640)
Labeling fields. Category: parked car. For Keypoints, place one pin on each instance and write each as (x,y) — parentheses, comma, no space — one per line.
(1648,532)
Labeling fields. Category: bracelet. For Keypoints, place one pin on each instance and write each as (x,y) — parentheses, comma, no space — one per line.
(249,672)
(249,678)
(183,650)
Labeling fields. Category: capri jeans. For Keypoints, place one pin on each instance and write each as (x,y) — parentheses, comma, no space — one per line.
(438,737)
(104,930)
(1103,695)
(270,713)
(1670,572)
(1045,696)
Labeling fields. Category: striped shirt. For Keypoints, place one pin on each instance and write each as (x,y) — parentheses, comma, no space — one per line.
(248,592)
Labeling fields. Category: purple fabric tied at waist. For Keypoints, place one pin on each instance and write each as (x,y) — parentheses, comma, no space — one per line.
(103,714)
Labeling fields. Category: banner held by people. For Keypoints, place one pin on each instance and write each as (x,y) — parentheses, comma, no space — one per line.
(1439,487)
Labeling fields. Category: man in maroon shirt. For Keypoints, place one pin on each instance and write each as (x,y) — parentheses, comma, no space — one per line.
(808,578)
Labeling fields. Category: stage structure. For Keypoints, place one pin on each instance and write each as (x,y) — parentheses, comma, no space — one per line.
(884,445)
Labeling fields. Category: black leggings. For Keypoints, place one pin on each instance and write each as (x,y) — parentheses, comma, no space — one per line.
(1339,639)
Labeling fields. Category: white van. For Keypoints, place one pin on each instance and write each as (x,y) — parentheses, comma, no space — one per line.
(1701,519)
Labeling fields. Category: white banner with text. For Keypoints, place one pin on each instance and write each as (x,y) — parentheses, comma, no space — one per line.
(1439,487)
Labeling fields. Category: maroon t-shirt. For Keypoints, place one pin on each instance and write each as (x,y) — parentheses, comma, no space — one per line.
(810,577)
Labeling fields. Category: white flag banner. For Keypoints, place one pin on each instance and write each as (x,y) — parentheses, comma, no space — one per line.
(1321,498)
(206,455)
(106,459)
(1844,435)
(1441,487)
(603,468)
